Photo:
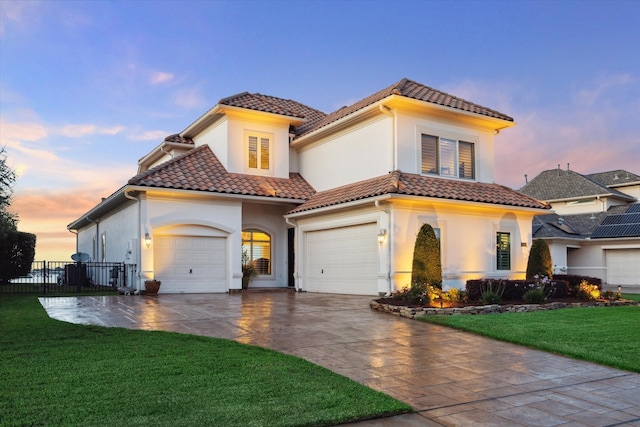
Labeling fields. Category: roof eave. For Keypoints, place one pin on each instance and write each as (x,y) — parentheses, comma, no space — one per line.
(491,122)
(94,214)
(202,122)
(396,196)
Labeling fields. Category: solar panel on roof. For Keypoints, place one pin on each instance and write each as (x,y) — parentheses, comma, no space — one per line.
(609,231)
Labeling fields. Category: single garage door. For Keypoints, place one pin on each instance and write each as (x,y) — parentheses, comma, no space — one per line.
(623,266)
(343,260)
(190,264)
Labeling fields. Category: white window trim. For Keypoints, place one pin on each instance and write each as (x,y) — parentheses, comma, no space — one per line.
(260,135)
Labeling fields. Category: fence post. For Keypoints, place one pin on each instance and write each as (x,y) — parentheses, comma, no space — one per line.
(45,277)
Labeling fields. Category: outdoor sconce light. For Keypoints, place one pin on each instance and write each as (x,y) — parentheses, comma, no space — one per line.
(382,236)
(147,240)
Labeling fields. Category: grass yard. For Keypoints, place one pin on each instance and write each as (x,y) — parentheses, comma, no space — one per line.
(56,373)
(606,335)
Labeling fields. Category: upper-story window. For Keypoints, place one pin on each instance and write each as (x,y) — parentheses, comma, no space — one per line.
(448,157)
(259,151)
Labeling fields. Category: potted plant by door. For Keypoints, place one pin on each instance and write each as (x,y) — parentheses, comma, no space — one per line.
(248,270)
(152,286)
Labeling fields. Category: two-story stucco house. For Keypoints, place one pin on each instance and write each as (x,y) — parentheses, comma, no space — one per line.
(319,202)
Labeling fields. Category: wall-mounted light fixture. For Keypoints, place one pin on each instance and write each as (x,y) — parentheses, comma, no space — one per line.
(382,236)
(147,240)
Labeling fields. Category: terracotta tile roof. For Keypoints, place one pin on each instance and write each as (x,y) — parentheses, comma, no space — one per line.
(179,139)
(410,89)
(272,104)
(423,186)
(200,170)
(558,184)
(316,119)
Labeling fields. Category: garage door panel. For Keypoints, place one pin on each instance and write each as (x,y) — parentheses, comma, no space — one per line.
(190,264)
(343,260)
(623,266)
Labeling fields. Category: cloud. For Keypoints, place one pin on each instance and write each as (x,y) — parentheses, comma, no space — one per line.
(189,98)
(77,131)
(159,77)
(150,135)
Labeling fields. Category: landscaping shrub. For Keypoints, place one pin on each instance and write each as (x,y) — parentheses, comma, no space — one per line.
(587,291)
(574,281)
(515,289)
(492,292)
(535,296)
(539,263)
(416,294)
(427,267)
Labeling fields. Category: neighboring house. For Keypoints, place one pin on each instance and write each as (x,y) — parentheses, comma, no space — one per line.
(319,202)
(595,229)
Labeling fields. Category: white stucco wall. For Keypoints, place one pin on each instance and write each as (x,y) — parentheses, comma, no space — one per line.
(411,127)
(215,137)
(362,152)
(468,241)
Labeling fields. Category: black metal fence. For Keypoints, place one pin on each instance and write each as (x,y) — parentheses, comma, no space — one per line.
(73,277)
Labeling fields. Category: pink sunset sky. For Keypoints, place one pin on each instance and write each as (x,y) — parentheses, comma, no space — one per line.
(88,88)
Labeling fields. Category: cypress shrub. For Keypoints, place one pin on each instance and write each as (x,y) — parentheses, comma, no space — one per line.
(427,267)
(539,263)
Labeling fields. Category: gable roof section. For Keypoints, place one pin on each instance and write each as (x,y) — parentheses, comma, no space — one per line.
(409,89)
(615,178)
(422,186)
(557,184)
(200,170)
(626,224)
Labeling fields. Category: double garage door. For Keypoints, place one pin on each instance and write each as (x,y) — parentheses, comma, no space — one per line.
(343,260)
(623,266)
(190,264)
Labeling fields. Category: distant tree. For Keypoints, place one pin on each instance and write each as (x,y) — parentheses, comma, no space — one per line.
(540,262)
(8,221)
(427,266)
(17,249)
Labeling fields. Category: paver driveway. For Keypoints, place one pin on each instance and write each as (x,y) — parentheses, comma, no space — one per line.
(449,377)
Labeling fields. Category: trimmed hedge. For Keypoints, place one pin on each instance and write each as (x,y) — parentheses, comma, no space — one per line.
(17,250)
(514,289)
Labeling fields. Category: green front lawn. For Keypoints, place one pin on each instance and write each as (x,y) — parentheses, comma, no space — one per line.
(56,373)
(606,335)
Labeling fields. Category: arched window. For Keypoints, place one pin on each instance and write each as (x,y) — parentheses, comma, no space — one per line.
(256,245)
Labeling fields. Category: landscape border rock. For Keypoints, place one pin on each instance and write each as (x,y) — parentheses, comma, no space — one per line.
(413,312)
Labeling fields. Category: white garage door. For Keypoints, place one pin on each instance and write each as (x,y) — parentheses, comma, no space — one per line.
(190,264)
(623,266)
(343,260)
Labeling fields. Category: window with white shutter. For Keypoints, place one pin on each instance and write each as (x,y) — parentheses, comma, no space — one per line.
(259,151)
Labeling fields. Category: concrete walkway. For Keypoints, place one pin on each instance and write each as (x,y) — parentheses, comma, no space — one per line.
(450,377)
